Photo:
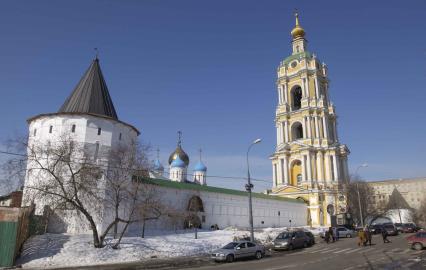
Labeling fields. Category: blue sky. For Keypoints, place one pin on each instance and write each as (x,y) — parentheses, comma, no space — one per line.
(208,68)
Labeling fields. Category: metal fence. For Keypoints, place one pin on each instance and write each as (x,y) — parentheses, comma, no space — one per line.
(14,230)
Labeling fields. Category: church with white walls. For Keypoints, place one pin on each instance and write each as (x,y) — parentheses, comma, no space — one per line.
(88,117)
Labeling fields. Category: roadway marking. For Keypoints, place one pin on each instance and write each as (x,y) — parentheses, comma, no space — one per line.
(330,250)
(343,250)
(281,267)
(319,250)
(355,250)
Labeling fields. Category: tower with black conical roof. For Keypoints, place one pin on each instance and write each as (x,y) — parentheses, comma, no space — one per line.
(87,117)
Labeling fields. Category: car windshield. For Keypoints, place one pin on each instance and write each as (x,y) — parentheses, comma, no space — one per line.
(283,235)
(231,245)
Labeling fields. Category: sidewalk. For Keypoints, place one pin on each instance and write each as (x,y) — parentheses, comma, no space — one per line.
(181,262)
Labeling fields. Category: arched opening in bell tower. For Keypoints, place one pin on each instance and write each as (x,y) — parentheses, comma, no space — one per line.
(297,131)
(296,173)
(296,98)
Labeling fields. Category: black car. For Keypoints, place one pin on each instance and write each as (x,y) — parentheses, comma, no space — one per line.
(376,229)
(399,227)
(390,229)
(311,238)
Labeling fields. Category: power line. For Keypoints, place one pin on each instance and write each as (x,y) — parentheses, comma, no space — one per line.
(140,170)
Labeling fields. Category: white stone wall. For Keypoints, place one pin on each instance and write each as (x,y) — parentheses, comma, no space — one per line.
(230,210)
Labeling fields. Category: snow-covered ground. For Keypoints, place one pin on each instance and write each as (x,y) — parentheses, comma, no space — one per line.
(73,250)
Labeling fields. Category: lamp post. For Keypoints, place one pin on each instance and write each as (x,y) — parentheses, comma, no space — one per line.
(359,198)
(249,187)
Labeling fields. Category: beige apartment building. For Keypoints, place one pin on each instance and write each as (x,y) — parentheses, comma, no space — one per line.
(413,190)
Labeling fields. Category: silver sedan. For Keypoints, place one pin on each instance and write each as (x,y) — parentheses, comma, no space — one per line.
(237,250)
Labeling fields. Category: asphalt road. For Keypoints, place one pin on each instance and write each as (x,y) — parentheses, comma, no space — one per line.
(341,255)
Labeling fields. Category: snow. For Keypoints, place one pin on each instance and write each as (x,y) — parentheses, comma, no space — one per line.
(53,250)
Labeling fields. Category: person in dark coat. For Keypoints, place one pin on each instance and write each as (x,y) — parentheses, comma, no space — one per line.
(330,231)
(368,236)
(327,236)
(385,236)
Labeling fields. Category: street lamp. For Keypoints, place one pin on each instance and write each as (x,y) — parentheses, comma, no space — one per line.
(249,187)
(357,189)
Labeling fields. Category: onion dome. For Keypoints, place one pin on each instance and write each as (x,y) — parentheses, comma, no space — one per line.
(178,163)
(179,152)
(200,167)
(298,31)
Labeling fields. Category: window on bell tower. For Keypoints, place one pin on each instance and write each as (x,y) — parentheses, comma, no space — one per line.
(296,98)
(297,131)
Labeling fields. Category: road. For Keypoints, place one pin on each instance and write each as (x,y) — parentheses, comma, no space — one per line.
(341,255)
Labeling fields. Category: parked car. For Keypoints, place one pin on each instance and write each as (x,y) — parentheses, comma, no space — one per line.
(399,227)
(238,249)
(345,232)
(407,228)
(311,238)
(417,241)
(390,229)
(413,226)
(291,240)
(376,229)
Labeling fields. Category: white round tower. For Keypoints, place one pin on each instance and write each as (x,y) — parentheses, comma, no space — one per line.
(87,117)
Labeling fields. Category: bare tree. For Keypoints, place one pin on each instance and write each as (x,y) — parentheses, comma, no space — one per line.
(69,175)
(150,206)
(127,163)
(12,170)
(420,214)
(360,200)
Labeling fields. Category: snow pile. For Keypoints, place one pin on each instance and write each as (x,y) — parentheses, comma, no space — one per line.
(73,250)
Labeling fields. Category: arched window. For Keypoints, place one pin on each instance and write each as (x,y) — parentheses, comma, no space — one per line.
(297,131)
(296,173)
(296,98)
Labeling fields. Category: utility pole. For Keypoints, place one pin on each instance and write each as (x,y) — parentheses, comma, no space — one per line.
(359,198)
(249,187)
(359,205)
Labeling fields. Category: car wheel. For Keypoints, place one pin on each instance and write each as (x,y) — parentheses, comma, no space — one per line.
(290,247)
(348,236)
(258,255)
(417,246)
(305,244)
(230,258)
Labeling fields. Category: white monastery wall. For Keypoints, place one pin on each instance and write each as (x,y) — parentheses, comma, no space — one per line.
(230,210)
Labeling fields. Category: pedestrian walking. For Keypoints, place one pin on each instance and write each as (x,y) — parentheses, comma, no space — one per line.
(330,231)
(385,236)
(368,236)
(361,237)
(327,236)
(335,233)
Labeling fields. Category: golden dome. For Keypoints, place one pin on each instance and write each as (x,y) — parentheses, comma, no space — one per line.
(298,31)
